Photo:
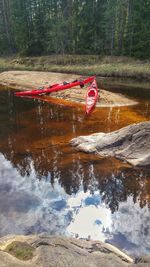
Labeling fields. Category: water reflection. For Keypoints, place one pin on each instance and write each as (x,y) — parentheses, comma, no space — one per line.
(108,209)
(131,228)
(27,204)
(128,227)
(47,186)
(91,217)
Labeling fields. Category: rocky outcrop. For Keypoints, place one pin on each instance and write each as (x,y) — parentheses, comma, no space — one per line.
(131,143)
(52,251)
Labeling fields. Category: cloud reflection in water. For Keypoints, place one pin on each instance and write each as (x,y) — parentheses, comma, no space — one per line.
(29,205)
(90,219)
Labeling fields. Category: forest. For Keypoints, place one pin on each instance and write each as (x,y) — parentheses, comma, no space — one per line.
(100,27)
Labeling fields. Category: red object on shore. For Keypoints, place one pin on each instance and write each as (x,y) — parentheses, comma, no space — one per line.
(91,97)
(55,87)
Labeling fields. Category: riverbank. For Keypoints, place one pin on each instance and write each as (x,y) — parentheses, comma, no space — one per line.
(26,80)
(81,64)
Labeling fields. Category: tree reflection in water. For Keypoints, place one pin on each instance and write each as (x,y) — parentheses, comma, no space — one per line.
(62,189)
(114,184)
(113,196)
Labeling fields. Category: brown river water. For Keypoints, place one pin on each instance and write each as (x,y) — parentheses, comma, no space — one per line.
(48,186)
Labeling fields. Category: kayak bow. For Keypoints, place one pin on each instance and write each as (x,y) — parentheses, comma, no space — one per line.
(91,96)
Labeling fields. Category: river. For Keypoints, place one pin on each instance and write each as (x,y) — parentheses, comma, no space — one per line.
(47,186)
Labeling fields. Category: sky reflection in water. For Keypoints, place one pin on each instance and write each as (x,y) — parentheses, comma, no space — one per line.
(46,186)
(29,205)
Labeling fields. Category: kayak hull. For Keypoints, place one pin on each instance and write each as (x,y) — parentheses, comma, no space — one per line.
(91,97)
(55,87)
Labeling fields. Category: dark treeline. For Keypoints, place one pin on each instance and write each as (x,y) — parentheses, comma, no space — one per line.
(104,27)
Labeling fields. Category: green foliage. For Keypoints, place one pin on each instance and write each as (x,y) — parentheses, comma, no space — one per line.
(112,27)
(20,250)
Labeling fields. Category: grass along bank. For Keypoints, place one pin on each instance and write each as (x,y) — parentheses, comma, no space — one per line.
(81,64)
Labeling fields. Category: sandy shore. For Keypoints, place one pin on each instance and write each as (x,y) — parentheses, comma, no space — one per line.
(26,80)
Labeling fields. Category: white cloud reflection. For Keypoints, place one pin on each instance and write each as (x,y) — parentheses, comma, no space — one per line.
(91,219)
(133,223)
(28,205)
(128,228)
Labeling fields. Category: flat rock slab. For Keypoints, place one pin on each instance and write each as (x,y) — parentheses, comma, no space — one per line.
(28,80)
(60,251)
(131,144)
(52,251)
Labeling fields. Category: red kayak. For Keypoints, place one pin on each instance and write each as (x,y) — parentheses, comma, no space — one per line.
(91,97)
(55,87)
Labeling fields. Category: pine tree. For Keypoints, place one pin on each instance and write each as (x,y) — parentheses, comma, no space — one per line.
(6,34)
(112,27)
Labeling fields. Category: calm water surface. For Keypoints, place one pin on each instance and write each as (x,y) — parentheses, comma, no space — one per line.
(47,186)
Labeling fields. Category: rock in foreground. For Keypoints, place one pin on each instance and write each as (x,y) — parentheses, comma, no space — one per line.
(131,143)
(52,251)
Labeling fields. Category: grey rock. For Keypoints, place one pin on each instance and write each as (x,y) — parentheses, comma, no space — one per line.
(131,144)
(142,262)
(58,251)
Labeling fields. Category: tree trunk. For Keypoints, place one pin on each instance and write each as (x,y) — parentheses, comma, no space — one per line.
(7,25)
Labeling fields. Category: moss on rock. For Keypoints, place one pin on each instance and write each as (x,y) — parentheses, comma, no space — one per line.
(20,250)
